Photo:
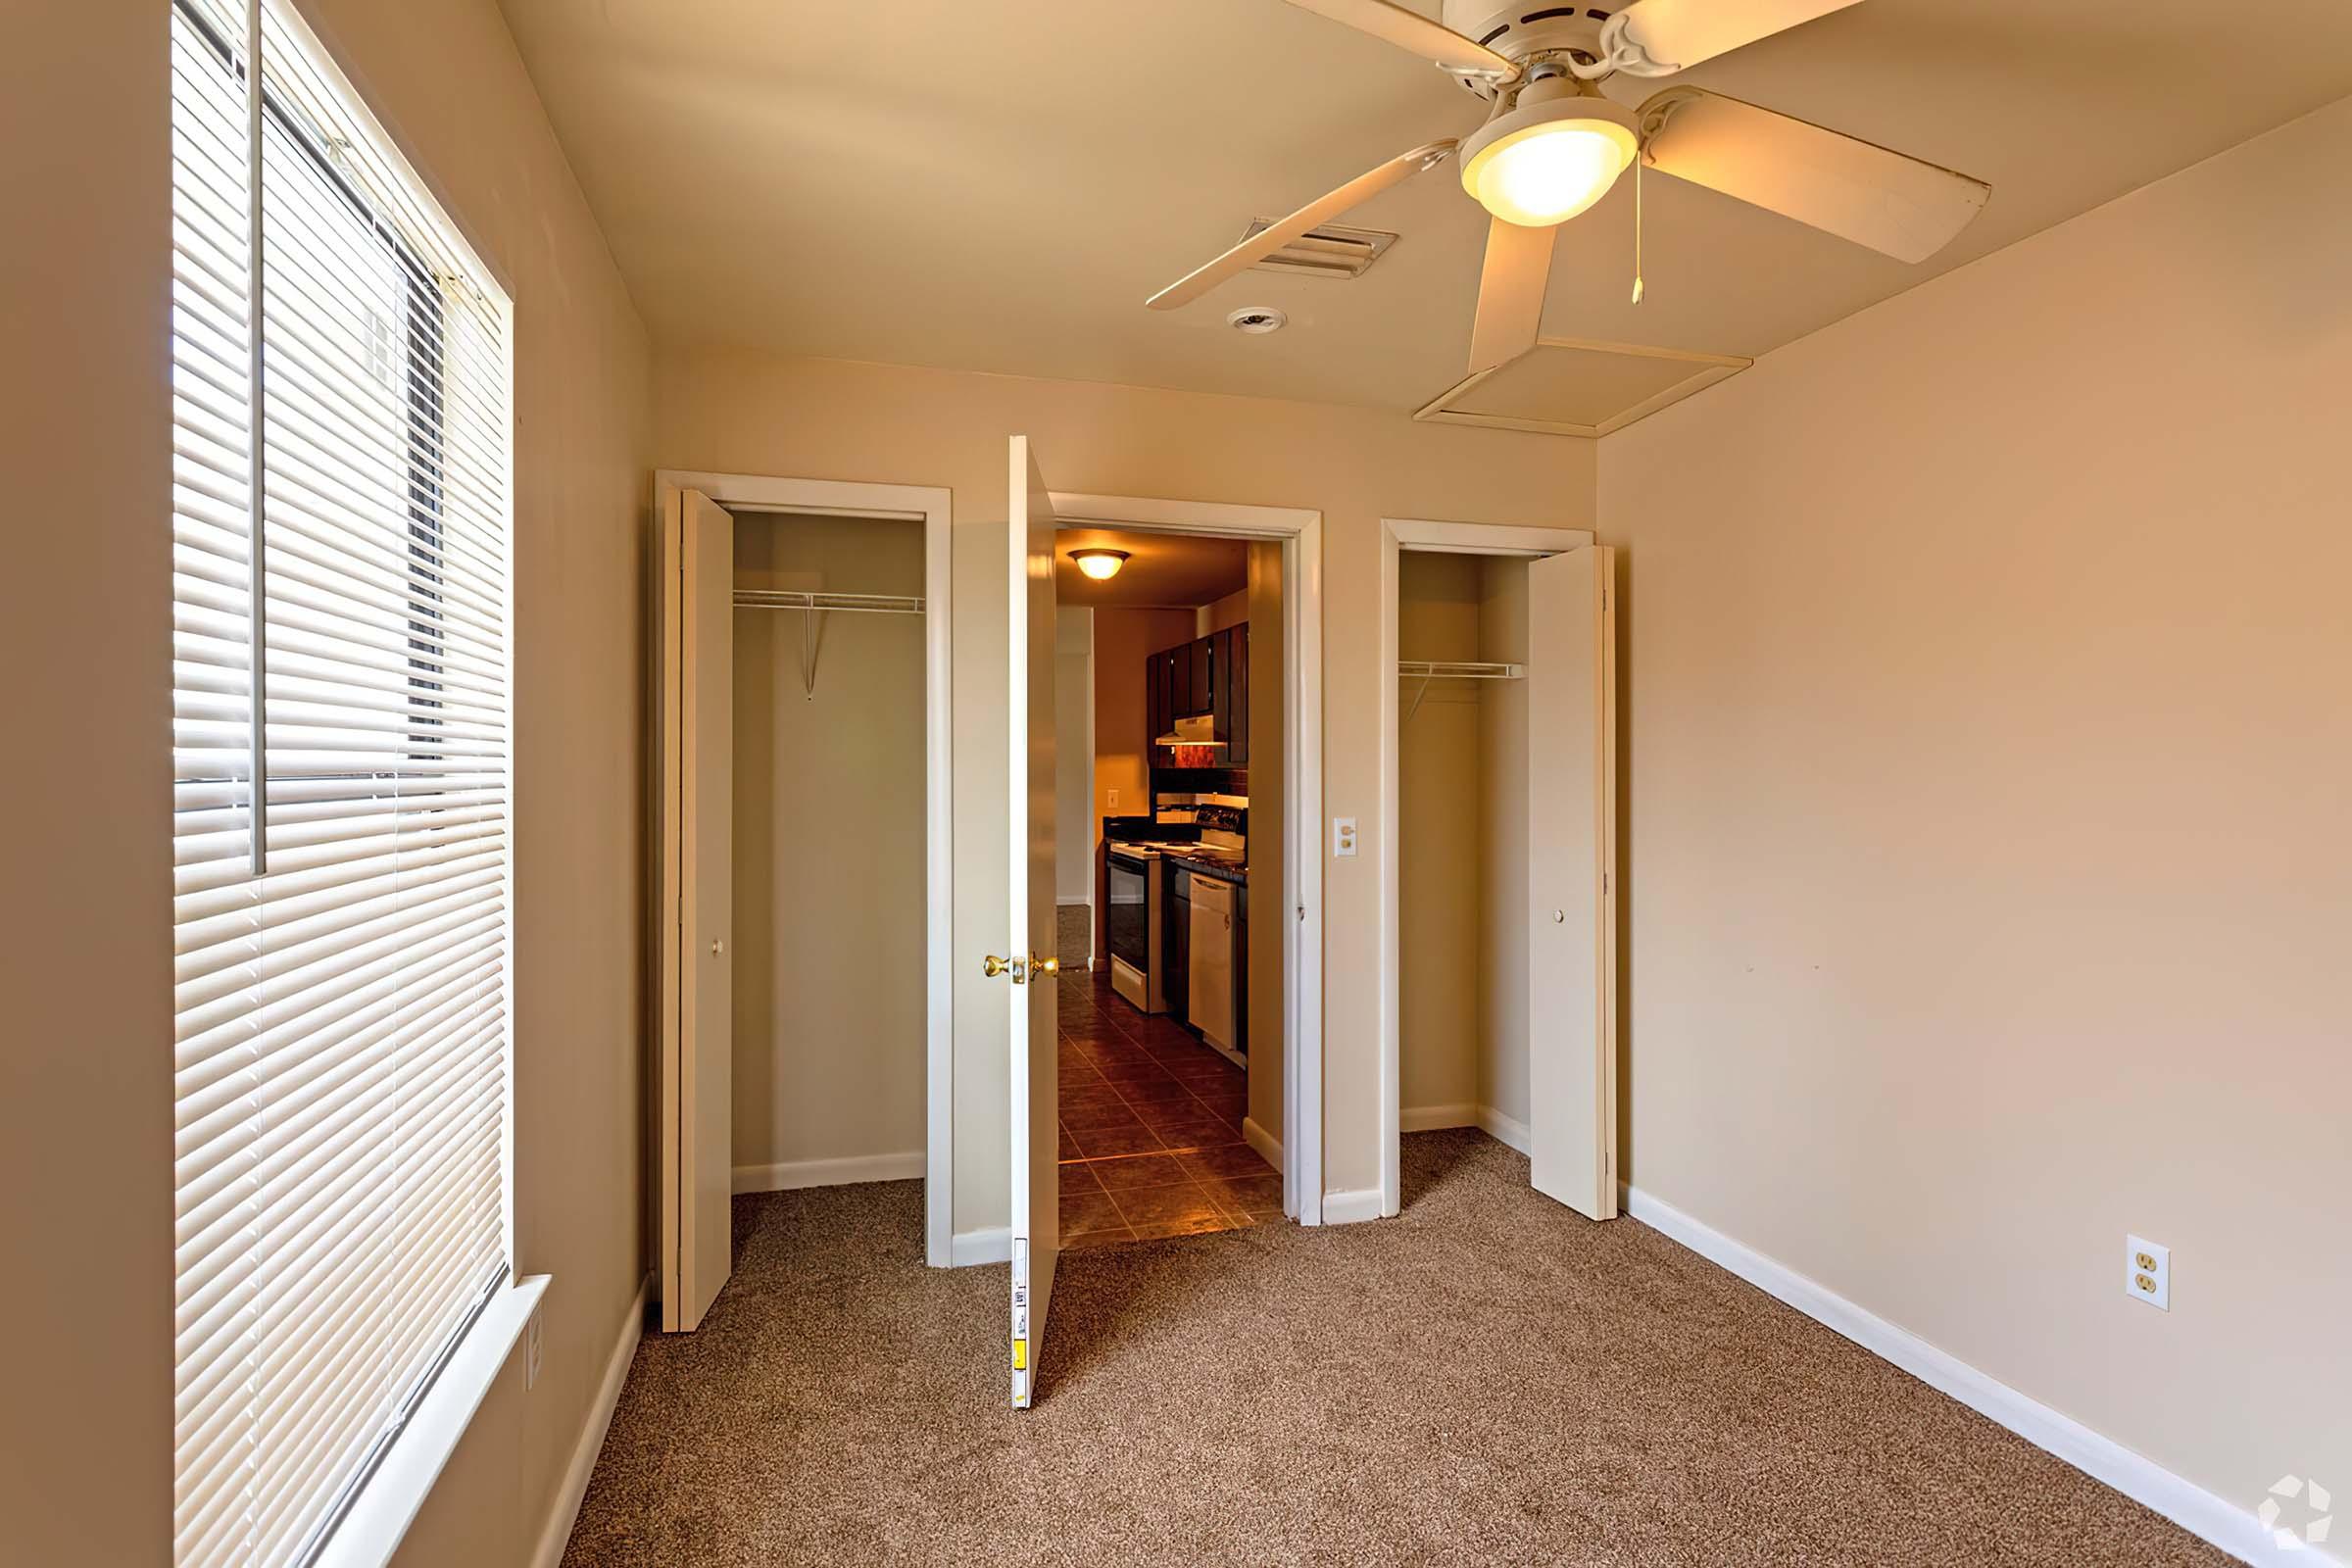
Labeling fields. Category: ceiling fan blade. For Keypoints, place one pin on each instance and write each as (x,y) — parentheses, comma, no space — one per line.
(1892,203)
(1322,209)
(1510,293)
(1658,37)
(1413,32)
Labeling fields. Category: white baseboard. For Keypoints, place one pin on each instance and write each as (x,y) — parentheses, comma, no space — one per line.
(828,1172)
(1268,1147)
(2234,1529)
(1430,1118)
(1502,1129)
(1346,1208)
(966,1248)
(557,1534)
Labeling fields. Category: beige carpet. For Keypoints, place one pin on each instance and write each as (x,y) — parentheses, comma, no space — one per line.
(1485,1379)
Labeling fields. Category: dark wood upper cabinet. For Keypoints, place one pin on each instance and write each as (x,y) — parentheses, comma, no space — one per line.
(1200,686)
(1159,701)
(1236,685)
(1220,679)
(1208,675)
(1180,683)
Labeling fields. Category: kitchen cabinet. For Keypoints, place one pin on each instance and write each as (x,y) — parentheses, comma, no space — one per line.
(1180,682)
(1159,698)
(1206,676)
(1229,661)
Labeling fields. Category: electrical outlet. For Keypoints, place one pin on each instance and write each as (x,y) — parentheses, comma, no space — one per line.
(2148,1273)
(1342,835)
(530,1354)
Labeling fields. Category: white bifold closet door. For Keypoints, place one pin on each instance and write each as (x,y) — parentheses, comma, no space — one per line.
(1572,905)
(1033,1017)
(696,694)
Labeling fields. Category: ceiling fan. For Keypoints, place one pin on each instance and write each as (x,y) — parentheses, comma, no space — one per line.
(1553,145)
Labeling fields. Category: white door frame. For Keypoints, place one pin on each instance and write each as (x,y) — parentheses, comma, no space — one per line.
(929,506)
(1397,535)
(1301,534)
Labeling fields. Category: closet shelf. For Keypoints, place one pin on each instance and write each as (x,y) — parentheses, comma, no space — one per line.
(821,606)
(856,603)
(1459,669)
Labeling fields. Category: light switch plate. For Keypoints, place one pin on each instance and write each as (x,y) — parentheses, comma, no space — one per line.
(2149,1272)
(1343,835)
(1115,799)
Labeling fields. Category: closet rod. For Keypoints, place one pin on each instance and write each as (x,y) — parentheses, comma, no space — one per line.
(1430,670)
(853,604)
(1459,669)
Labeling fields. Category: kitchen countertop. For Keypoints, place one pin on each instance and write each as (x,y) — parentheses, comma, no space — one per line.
(1208,865)
(1224,870)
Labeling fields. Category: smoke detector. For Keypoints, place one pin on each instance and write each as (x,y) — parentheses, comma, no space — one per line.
(1257,320)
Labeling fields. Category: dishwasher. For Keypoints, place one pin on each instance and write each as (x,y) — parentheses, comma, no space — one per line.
(1209,1000)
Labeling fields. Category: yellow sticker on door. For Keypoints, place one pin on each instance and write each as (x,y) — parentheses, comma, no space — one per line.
(1020,1356)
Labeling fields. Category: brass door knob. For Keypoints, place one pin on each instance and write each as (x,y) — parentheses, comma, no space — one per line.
(1039,965)
(992,966)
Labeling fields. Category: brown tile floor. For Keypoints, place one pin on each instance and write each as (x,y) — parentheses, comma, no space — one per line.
(1150,1128)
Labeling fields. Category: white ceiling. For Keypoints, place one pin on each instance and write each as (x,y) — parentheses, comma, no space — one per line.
(999,186)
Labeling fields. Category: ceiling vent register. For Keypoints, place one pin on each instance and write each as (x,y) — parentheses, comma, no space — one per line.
(1329,251)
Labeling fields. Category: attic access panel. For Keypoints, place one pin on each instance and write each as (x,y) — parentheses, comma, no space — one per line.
(1568,386)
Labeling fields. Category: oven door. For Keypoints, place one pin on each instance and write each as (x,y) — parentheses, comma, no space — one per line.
(1129,920)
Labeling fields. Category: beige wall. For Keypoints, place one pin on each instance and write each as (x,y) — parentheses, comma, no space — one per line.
(85,1111)
(1991,871)
(749,412)
(1075,822)
(1503,844)
(85,624)
(1439,796)
(829,1013)
(1231,611)
(1123,640)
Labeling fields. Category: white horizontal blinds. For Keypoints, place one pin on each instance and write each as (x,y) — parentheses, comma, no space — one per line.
(218,1251)
(343,1066)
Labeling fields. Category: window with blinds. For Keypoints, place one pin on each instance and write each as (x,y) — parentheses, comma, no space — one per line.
(341,405)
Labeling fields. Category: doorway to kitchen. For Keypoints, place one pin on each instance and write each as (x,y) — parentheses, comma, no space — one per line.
(1169,731)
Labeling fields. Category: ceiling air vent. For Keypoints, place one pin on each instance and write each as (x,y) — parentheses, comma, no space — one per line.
(1332,251)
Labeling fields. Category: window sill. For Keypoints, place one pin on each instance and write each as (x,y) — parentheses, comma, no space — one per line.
(370,1533)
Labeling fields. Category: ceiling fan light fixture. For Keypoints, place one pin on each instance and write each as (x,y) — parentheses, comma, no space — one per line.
(1545,161)
(1100,565)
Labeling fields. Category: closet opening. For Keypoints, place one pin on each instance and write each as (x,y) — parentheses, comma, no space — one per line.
(1170,860)
(803,875)
(1499,1004)
(828,1020)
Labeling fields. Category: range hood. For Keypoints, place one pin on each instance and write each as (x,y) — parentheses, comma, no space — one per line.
(1197,731)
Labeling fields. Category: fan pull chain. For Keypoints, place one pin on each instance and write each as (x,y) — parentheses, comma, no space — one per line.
(1641,154)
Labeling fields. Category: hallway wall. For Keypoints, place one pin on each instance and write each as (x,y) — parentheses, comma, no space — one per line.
(746,412)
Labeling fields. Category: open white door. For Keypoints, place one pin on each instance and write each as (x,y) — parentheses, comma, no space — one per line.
(1029,961)
(1572,900)
(697,699)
